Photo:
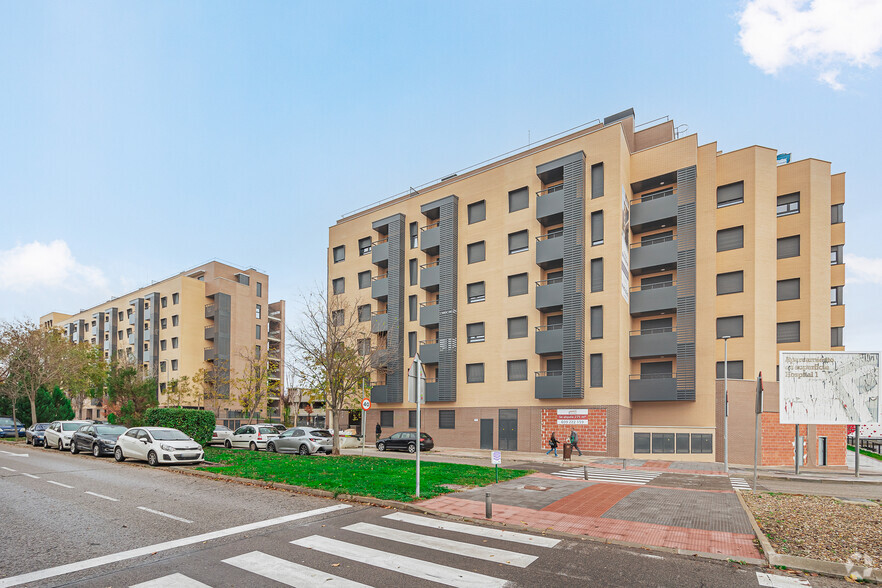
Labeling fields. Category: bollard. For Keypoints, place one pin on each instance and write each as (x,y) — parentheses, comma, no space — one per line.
(585,471)
(488,506)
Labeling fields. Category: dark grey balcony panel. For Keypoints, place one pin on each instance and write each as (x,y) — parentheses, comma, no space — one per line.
(654,300)
(432,393)
(549,296)
(380,254)
(378,393)
(210,354)
(653,214)
(380,323)
(653,344)
(652,389)
(429,315)
(549,386)
(210,310)
(380,289)
(380,358)
(654,257)
(430,278)
(210,333)
(550,252)
(429,352)
(549,208)
(430,240)
(549,342)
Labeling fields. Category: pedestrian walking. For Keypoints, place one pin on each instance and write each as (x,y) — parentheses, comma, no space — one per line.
(553,444)
(574,441)
(379,431)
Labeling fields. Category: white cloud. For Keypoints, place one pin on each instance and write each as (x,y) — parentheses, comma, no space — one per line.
(863,270)
(50,266)
(822,34)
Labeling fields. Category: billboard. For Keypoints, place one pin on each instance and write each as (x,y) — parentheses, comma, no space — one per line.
(829,388)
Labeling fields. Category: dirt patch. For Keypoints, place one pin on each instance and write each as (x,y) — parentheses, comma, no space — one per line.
(820,527)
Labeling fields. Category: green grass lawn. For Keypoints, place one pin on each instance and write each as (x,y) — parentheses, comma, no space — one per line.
(389,479)
(867,453)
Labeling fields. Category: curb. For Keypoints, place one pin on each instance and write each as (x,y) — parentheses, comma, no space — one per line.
(806,564)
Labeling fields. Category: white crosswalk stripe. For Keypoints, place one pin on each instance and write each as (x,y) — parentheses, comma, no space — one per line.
(739,484)
(773,581)
(486,532)
(638,477)
(287,572)
(172,581)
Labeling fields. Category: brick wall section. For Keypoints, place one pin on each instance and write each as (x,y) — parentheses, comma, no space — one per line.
(836,441)
(592,436)
(777,440)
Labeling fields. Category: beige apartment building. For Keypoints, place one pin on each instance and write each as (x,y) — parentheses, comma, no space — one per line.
(588,283)
(214,316)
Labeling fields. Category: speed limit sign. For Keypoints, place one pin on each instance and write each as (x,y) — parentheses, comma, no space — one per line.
(366,404)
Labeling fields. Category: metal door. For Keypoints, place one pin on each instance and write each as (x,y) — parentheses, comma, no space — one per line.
(822,451)
(508,429)
(486,433)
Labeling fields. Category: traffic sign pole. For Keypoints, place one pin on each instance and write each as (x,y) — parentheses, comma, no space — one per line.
(365,405)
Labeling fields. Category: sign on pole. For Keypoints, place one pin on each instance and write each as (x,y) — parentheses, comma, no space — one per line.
(366,404)
(496,457)
(416,392)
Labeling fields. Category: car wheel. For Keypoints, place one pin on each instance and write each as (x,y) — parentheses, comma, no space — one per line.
(152,459)
(411,447)
(227,444)
(118,455)
(253,446)
(27,441)
(304,450)
(381,446)
(73,447)
(271,447)
(96,451)
(60,445)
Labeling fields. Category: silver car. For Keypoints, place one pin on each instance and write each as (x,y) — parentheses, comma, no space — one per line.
(302,440)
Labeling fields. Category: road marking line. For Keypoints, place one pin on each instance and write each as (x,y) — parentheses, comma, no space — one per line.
(14,454)
(773,581)
(287,572)
(164,514)
(486,532)
(739,484)
(165,546)
(102,496)
(7,469)
(30,476)
(172,581)
(58,484)
(502,556)
(398,563)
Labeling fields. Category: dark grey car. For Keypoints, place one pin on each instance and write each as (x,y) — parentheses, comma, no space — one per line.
(302,440)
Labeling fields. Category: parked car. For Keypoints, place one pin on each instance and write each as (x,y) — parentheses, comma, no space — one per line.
(58,434)
(303,441)
(97,439)
(220,435)
(280,427)
(34,434)
(7,427)
(405,441)
(157,445)
(253,437)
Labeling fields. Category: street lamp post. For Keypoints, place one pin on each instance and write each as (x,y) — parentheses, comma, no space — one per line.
(726,402)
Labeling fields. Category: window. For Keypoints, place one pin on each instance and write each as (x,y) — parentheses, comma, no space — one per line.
(119,334)
(517,327)
(364,346)
(518,199)
(413,269)
(477,212)
(788,332)
(702,443)
(257,311)
(163,302)
(836,255)
(364,279)
(518,242)
(411,419)
(474,373)
(730,194)
(517,284)
(836,337)
(788,204)
(788,247)
(517,370)
(663,443)
(730,326)
(411,343)
(736,370)
(339,285)
(597,180)
(414,235)
(364,246)
(730,283)
(475,333)
(728,239)
(257,331)
(176,298)
(162,366)
(682,442)
(836,214)
(788,289)
(596,322)
(174,366)
(597,227)
(412,307)
(162,345)
(364,313)
(339,253)
(259,290)
(174,342)
(836,295)
(475,252)
(446,419)
(387,418)
(641,442)
(597,274)
(475,292)
(337,319)
(175,320)
(596,370)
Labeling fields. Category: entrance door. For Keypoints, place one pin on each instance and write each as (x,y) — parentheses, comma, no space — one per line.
(486,433)
(822,451)
(508,429)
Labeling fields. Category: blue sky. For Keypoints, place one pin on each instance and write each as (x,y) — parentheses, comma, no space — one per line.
(253,125)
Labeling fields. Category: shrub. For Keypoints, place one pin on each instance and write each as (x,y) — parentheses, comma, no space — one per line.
(198,424)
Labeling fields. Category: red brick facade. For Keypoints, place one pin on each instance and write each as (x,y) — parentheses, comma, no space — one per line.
(777,442)
(592,436)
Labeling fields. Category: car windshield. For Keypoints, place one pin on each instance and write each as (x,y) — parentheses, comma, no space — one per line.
(268,431)
(71,426)
(319,433)
(221,428)
(41,427)
(6,422)
(169,435)
(110,430)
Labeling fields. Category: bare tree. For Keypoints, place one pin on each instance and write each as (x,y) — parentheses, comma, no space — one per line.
(253,384)
(215,382)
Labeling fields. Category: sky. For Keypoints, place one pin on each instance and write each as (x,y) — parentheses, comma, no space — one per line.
(241,131)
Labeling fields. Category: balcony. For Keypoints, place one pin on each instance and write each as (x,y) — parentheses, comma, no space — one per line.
(379,322)
(549,384)
(652,388)
(654,255)
(210,310)
(275,315)
(380,252)
(380,287)
(274,354)
(379,393)
(653,343)
(654,211)
(653,298)
(549,339)
(210,354)
(549,294)
(549,250)
(549,205)
(210,333)
(429,314)
(430,239)
(132,318)
(380,357)
(274,335)
(430,351)
(274,374)
(432,390)
(430,276)
(131,339)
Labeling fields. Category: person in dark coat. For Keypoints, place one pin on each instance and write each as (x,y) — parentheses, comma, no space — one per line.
(574,441)
(379,431)
(553,444)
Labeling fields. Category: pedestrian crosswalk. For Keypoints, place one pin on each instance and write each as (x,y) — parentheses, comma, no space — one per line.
(638,477)
(739,484)
(401,531)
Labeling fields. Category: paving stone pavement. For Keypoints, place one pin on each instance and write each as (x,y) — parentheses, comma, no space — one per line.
(528,492)
(692,481)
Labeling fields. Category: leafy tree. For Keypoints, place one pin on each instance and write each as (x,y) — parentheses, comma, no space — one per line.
(182,391)
(252,384)
(215,382)
(87,375)
(130,392)
(51,406)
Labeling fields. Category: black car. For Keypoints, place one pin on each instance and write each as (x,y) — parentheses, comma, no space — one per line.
(34,434)
(405,441)
(97,439)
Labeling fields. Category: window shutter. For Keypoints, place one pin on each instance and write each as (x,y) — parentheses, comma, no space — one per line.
(339,253)
(414,235)
(446,419)
(474,373)
(364,279)
(364,313)
(788,247)
(339,285)
(411,419)
(387,418)
(732,326)
(730,194)
(596,370)
(788,289)
(597,227)
(517,327)
(597,274)
(836,337)
(477,211)
(596,322)
(476,252)
(730,283)
(657,368)
(475,292)
(412,307)
(413,269)
(518,242)
(517,370)
(518,199)
(837,214)
(364,246)
(736,370)
(730,239)
(597,180)
(517,284)
(475,332)
(411,344)
(788,332)
(788,204)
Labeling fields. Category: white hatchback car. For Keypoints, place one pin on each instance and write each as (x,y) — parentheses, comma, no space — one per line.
(220,435)
(253,437)
(58,434)
(157,445)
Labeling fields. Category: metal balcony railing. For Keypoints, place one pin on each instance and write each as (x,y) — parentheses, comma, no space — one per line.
(654,241)
(653,196)
(428,303)
(652,376)
(429,342)
(549,373)
(547,236)
(542,328)
(380,241)
(642,287)
(654,331)
(379,277)
(549,282)
(430,226)
(550,190)
(430,264)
